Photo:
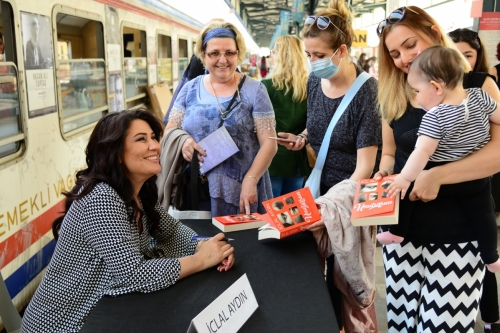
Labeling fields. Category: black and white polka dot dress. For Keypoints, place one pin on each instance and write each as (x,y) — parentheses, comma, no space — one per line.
(101,253)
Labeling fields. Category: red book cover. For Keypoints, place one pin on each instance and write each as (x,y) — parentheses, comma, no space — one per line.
(372,206)
(289,214)
(238,222)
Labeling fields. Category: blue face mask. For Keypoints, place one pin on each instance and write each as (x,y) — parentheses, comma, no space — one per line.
(324,68)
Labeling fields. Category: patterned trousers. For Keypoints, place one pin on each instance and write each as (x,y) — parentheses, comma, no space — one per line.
(432,287)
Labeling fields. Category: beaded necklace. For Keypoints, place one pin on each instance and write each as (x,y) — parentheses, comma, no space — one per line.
(223,114)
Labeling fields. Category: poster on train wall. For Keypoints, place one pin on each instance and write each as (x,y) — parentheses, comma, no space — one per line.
(152,60)
(489,32)
(38,64)
(114,57)
(113,40)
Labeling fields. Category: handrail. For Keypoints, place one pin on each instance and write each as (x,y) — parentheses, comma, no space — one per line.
(11,139)
(84,114)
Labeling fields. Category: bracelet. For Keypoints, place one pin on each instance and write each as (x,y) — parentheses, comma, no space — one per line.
(256,178)
(303,136)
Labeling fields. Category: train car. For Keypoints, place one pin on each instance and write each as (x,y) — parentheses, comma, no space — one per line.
(62,68)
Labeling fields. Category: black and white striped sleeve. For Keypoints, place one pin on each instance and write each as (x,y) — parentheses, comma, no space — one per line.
(430,126)
(490,105)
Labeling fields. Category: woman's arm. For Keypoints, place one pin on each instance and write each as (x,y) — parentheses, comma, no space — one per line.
(301,140)
(171,124)
(208,254)
(268,149)
(119,250)
(190,145)
(493,71)
(365,162)
(386,166)
(483,163)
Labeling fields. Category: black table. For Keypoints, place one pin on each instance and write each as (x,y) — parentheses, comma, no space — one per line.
(285,276)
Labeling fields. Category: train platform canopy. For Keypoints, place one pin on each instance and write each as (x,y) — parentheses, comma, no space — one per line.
(263,18)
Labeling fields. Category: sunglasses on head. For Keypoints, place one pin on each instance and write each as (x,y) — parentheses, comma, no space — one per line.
(322,22)
(394,17)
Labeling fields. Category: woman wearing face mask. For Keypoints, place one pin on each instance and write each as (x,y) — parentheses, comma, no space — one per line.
(355,139)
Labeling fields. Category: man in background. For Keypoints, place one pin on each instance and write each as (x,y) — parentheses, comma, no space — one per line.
(34,57)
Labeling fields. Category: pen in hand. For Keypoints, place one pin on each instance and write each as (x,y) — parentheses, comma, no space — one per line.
(199,237)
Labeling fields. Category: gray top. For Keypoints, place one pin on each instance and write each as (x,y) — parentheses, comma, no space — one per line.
(359,127)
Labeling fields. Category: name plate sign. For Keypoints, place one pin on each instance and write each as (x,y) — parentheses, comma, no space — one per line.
(228,312)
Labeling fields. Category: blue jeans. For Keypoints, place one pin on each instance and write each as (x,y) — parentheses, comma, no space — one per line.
(284,185)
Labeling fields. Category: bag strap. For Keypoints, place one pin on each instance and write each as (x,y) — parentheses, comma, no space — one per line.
(323,150)
(228,109)
(243,77)
(194,180)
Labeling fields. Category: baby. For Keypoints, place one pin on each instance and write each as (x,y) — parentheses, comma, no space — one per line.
(456,124)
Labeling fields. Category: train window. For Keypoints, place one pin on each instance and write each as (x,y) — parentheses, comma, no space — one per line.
(64,50)
(135,66)
(12,137)
(165,60)
(183,56)
(81,72)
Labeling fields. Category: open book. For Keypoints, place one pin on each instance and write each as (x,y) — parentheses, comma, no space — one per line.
(289,214)
(371,205)
(219,146)
(238,222)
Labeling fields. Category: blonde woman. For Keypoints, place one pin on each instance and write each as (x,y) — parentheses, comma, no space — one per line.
(287,89)
(434,276)
(354,142)
(241,182)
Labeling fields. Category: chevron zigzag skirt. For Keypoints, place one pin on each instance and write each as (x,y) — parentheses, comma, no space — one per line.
(432,287)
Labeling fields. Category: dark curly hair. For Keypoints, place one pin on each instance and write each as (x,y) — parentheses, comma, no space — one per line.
(103,153)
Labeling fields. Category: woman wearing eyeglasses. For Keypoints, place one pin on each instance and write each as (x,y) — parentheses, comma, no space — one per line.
(225,97)
(287,88)
(473,49)
(434,276)
(354,142)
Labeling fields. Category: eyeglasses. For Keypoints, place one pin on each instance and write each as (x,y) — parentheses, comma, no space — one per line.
(322,22)
(217,54)
(394,17)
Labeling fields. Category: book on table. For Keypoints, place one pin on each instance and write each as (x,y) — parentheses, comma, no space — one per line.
(238,222)
(372,206)
(289,214)
(219,146)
